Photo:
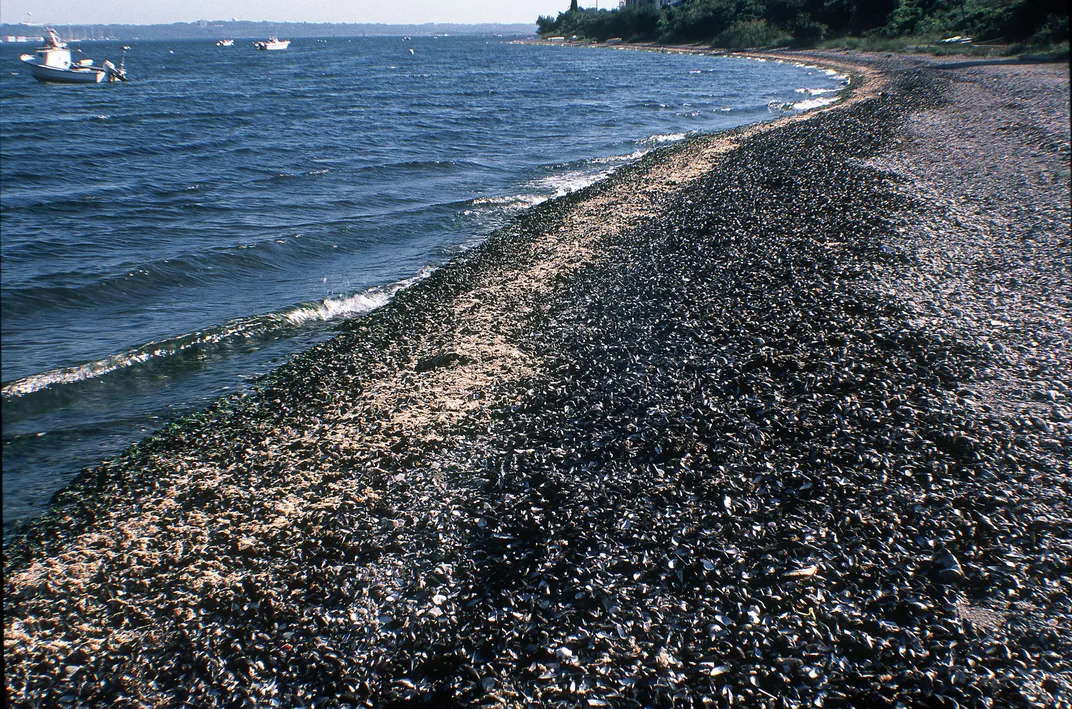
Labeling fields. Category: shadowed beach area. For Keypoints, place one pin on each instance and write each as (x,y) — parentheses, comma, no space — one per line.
(771,418)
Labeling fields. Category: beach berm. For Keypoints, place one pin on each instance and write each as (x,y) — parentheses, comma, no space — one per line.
(772,418)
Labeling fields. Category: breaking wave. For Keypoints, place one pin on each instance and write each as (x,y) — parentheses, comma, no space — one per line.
(202,342)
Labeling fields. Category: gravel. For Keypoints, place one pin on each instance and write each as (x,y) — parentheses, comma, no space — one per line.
(775,418)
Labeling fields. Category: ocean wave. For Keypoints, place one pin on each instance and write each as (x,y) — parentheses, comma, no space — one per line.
(563,182)
(46,202)
(351,305)
(269,325)
(215,143)
(135,280)
(417,168)
(94,370)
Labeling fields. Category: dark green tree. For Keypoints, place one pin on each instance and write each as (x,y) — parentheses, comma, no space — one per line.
(806,22)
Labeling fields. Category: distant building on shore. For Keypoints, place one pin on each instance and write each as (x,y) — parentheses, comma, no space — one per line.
(646,3)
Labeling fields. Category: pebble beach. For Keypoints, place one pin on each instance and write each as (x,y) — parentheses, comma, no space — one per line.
(778,417)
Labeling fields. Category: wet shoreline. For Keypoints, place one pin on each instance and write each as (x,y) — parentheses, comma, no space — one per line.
(709,431)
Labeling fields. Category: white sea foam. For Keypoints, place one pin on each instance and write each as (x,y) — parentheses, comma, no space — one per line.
(805,105)
(664,138)
(332,308)
(816,92)
(510,202)
(808,104)
(568,182)
(614,159)
(503,204)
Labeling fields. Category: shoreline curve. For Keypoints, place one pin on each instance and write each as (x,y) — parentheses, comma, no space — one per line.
(774,414)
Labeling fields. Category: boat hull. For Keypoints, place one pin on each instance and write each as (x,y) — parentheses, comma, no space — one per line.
(272,45)
(54,75)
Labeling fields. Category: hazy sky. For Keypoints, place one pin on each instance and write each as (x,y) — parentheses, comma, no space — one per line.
(142,12)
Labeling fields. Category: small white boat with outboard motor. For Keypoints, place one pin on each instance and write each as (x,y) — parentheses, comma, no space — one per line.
(52,63)
(272,44)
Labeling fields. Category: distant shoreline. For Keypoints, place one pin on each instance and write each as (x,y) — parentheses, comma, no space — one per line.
(861,76)
(243,29)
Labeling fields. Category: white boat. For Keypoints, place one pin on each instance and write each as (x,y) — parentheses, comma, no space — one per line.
(272,43)
(225,43)
(51,62)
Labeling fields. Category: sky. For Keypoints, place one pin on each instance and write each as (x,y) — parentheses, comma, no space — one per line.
(148,12)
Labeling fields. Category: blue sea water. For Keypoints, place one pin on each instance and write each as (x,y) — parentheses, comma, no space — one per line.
(167,240)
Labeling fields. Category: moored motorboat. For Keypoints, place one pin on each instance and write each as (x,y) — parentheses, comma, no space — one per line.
(272,43)
(52,63)
(225,43)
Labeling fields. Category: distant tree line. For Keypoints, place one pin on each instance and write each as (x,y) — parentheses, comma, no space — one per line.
(753,23)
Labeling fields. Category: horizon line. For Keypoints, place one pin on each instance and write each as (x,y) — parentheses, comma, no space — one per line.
(278,22)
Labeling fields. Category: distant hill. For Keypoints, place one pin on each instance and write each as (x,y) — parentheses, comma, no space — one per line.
(242,29)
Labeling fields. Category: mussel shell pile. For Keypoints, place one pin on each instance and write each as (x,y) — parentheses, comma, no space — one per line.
(722,459)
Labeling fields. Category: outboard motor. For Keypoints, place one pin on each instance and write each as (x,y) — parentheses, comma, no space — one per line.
(111,72)
(117,74)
